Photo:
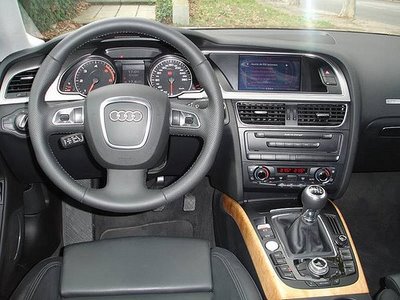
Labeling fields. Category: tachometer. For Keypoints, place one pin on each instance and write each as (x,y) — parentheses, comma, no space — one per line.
(92,74)
(171,75)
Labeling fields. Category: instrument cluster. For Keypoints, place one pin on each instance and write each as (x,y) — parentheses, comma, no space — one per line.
(171,74)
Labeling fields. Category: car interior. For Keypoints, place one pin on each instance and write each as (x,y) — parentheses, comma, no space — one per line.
(145,161)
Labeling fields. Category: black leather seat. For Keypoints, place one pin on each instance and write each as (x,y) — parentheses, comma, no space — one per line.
(392,290)
(140,268)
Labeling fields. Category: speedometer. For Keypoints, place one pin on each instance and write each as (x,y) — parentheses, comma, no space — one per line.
(171,75)
(92,74)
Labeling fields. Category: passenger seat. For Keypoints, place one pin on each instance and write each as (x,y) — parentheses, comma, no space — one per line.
(392,289)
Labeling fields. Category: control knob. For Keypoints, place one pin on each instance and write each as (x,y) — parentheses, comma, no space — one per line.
(341,240)
(21,121)
(323,175)
(261,173)
(318,266)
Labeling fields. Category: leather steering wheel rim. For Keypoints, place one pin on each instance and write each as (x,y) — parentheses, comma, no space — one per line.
(117,195)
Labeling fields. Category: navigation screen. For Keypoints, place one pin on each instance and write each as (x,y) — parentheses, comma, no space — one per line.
(269,73)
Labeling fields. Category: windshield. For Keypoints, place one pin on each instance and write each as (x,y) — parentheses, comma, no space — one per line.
(50,18)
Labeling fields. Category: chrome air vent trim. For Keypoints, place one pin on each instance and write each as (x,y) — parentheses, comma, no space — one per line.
(321,115)
(20,84)
(289,106)
(14,71)
(261,113)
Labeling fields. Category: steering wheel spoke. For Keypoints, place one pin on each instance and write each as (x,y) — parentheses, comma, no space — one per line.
(126,182)
(187,120)
(64,117)
(126,189)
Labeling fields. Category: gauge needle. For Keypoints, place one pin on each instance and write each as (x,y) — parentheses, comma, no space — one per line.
(171,85)
(95,80)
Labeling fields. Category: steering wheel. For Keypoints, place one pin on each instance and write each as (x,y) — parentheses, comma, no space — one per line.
(130,145)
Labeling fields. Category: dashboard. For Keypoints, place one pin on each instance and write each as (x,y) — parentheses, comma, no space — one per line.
(292,104)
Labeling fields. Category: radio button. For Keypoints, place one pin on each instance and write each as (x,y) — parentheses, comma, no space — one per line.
(259,134)
(254,156)
(282,157)
(251,169)
(268,156)
(297,145)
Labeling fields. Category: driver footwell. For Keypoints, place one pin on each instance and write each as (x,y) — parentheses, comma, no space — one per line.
(173,220)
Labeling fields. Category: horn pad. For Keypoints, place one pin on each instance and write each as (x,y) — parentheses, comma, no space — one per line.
(126,125)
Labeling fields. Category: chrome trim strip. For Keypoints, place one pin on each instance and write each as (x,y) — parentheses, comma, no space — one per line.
(392,101)
(54,95)
(183,125)
(68,111)
(125,99)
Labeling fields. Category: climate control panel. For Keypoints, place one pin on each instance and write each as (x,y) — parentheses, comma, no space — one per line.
(289,176)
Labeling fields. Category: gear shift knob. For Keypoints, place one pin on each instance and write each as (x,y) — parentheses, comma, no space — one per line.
(314,198)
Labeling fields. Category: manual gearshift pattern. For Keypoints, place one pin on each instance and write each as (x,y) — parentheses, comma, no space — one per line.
(314,199)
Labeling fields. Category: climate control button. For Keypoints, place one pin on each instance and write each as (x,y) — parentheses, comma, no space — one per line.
(323,175)
(262,173)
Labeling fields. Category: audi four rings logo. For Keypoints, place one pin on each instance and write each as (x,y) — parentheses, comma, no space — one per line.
(126,116)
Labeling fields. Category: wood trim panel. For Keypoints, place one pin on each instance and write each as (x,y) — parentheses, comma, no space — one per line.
(274,288)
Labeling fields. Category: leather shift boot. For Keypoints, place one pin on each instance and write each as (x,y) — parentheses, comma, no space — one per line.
(300,237)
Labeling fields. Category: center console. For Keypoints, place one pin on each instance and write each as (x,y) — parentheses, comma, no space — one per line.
(292,113)
(293,116)
(308,247)
(300,253)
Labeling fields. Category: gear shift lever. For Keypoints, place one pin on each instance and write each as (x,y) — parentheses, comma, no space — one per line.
(314,199)
(302,233)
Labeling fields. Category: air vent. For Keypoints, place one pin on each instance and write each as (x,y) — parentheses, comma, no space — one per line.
(20,85)
(261,113)
(320,114)
(334,224)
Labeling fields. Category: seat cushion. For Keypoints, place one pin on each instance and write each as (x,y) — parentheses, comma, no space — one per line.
(387,294)
(392,289)
(140,268)
(230,279)
(139,265)
(42,282)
